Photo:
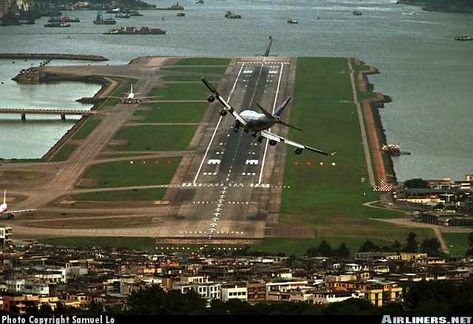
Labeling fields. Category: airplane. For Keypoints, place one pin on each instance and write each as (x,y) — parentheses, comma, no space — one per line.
(11,214)
(259,123)
(131,97)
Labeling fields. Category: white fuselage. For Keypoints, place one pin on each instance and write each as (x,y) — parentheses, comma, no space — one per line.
(3,208)
(256,121)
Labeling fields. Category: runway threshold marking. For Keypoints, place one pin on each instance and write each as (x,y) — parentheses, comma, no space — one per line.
(274,106)
(218,125)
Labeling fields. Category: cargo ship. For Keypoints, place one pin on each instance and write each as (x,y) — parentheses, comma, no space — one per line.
(175,6)
(101,21)
(136,31)
(58,24)
(394,149)
(231,15)
(464,38)
(58,19)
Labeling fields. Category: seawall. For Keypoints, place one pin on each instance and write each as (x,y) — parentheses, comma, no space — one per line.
(52,56)
(383,164)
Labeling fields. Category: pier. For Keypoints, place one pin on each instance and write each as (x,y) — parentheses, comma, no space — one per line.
(45,111)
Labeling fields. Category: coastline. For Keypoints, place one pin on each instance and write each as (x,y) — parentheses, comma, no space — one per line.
(382,162)
(53,56)
(438,7)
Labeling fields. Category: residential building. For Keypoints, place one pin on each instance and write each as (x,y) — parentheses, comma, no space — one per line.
(234,292)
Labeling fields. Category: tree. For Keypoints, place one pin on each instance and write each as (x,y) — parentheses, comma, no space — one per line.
(431,246)
(369,246)
(411,243)
(469,251)
(342,251)
(155,301)
(416,183)
(323,249)
(396,247)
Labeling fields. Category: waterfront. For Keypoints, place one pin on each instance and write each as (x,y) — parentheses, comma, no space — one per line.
(426,72)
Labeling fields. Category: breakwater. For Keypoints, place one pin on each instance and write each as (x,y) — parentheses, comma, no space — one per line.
(52,56)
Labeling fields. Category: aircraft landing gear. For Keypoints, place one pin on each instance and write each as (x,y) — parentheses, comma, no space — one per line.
(254,134)
(272,142)
(298,150)
(236,128)
(260,139)
(210,98)
(223,112)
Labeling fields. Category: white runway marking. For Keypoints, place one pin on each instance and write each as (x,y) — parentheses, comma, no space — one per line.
(274,106)
(218,125)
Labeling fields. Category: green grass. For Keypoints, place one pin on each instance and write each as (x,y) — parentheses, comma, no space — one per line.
(86,128)
(140,172)
(180,91)
(155,138)
(173,113)
(119,92)
(123,195)
(457,243)
(138,243)
(330,198)
(300,246)
(196,77)
(204,61)
(64,153)
(196,70)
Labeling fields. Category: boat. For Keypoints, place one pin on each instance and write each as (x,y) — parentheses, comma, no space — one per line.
(113,10)
(393,149)
(200,1)
(107,21)
(357,13)
(63,19)
(135,13)
(292,21)
(58,24)
(231,15)
(136,31)
(123,15)
(464,38)
(181,14)
(175,6)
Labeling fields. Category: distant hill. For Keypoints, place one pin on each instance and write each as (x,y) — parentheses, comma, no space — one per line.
(442,5)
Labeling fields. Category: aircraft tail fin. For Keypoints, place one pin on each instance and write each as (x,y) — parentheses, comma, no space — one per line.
(281,108)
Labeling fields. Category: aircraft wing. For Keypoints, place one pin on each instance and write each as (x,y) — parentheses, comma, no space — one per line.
(270,136)
(20,211)
(226,105)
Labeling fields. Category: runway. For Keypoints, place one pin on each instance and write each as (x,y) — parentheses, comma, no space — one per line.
(233,189)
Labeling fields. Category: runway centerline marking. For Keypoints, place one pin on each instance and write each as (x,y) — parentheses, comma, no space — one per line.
(218,125)
(274,106)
